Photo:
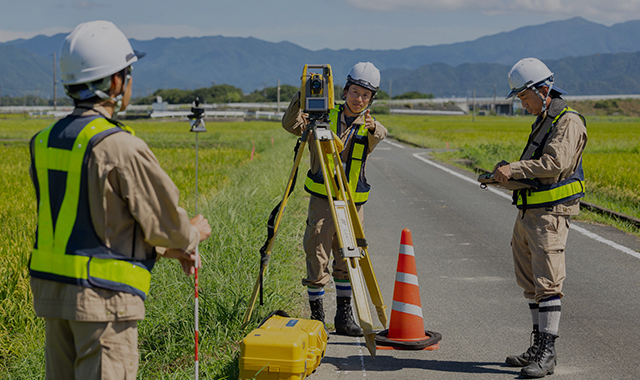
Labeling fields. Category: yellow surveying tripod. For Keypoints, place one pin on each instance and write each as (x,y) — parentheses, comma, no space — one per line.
(316,100)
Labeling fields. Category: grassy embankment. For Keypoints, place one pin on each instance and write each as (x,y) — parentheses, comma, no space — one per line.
(611,160)
(236,195)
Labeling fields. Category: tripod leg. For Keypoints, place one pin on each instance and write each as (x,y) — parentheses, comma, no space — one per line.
(252,300)
(278,219)
(374,288)
(362,304)
(342,219)
(365,261)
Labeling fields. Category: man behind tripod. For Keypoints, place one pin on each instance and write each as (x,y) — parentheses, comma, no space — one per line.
(360,134)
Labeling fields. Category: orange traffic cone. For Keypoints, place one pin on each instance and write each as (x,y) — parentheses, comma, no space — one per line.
(406,327)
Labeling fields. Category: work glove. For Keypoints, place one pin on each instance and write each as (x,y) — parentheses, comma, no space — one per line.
(499,164)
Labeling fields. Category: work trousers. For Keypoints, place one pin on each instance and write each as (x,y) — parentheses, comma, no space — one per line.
(91,350)
(320,240)
(538,246)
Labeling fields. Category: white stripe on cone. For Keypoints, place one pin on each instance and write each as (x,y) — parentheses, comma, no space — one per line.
(407,278)
(406,250)
(407,308)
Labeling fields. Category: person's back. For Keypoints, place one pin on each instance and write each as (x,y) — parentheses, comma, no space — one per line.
(105,209)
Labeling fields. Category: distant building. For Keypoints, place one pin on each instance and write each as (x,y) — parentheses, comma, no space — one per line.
(159,105)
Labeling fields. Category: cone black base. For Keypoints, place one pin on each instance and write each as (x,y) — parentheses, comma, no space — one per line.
(431,338)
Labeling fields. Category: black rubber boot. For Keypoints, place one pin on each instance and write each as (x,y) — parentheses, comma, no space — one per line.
(544,362)
(317,312)
(526,358)
(345,324)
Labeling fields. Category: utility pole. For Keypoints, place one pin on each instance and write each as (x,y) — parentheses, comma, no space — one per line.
(390,92)
(495,95)
(474,105)
(278,92)
(55,100)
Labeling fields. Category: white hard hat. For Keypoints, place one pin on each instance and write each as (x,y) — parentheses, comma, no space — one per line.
(528,73)
(94,50)
(366,75)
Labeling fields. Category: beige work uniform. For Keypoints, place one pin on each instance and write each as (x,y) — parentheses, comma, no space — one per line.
(91,332)
(540,234)
(320,234)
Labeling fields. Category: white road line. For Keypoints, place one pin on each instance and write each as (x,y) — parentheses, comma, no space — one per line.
(579,229)
(606,241)
(361,354)
(394,144)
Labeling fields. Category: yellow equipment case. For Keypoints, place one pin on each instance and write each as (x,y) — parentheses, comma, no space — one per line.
(282,348)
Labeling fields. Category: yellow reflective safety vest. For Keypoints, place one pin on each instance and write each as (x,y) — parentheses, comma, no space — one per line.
(67,248)
(354,166)
(550,195)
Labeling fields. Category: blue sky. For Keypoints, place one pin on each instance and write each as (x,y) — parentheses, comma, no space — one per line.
(313,24)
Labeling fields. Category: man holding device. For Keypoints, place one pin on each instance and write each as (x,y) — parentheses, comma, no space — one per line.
(553,159)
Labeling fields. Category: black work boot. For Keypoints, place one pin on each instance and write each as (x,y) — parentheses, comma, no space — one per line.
(545,359)
(317,312)
(526,358)
(345,324)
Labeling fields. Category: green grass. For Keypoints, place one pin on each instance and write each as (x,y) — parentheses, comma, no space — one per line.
(611,159)
(14,116)
(21,333)
(236,194)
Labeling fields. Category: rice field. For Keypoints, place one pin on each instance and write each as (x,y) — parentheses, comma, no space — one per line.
(236,194)
(611,159)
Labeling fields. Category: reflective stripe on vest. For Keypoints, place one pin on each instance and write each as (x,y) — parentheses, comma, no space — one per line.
(314,183)
(550,195)
(56,255)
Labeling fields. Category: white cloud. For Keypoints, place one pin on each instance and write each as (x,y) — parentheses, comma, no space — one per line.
(10,35)
(597,10)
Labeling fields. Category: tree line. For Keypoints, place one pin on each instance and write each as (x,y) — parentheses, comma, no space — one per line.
(32,100)
(225,93)
(222,93)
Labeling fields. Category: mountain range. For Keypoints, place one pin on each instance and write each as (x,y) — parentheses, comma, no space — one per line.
(586,57)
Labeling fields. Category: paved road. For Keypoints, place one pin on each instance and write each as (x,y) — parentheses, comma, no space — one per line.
(468,292)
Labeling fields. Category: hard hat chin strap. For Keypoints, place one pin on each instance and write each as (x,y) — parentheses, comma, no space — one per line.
(544,100)
(117,99)
(105,96)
